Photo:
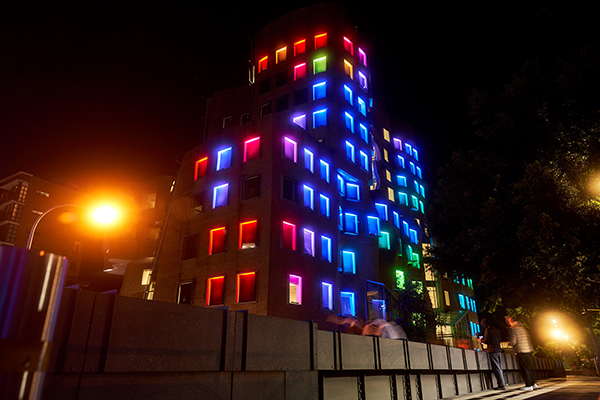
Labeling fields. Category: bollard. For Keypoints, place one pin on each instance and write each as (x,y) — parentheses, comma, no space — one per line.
(31,283)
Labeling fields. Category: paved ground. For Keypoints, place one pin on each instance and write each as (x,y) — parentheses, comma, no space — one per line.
(573,387)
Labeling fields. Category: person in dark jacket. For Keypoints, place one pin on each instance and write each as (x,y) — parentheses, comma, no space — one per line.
(492,339)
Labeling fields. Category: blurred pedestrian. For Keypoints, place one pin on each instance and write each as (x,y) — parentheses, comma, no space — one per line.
(492,339)
(520,340)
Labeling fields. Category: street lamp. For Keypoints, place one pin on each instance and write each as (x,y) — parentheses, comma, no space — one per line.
(103,215)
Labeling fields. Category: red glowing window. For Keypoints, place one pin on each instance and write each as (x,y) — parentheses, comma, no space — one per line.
(288,236)
(263,63)
(320,41)
(200,168)
(252,148)
(215,291)
(246,287)
(348,46)
(300,47)
(248,235)
(217,241)
(300,71)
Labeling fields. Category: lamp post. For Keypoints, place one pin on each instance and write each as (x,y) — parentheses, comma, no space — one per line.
(103,215)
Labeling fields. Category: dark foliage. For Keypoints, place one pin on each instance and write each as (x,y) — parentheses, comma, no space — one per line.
(520,213)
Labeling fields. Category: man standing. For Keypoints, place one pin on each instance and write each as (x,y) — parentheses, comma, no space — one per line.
(492,339)
(520,340)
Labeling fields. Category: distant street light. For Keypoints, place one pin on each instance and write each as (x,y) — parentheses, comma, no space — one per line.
(104,215)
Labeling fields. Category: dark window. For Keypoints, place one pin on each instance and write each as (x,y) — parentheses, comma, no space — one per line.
(197,203)
(281,104)
(264,86)
(300,96)
(281,79)
(250,187)
(289,190)
(244,118)
(185,292)
(190,247)
(265,109)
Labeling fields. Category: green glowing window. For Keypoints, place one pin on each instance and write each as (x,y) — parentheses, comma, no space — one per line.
(320,65)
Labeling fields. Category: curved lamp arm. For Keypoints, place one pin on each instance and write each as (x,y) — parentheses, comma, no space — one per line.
(37,221)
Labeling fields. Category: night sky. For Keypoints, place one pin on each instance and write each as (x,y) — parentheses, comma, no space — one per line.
(96,92)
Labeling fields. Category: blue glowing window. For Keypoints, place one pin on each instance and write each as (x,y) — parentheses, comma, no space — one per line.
(401,162)
(220,195)
(401,180)
(419,172)
(348,94)
(412,168)
(327,295)
(353,192)
(396,217)
(405,227)
(373,226)
(416,184)
(224,158)
(309,242)
(341,185)
(324,205)
(325,248)
(350,151)
(349,120)
(309,197)
(320,118)
(364,133)
(362,106)
(413,236)
(415,154)
(319,91)
(422,190)
(403,198)
(384,240)
(324,167)
(351,223)
(309,160)
(461,300)
(347,305)
(382,211)
(348,262)
(415,203)
(364,161)
(408,148)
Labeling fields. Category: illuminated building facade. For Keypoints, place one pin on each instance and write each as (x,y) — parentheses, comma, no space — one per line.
(303,201)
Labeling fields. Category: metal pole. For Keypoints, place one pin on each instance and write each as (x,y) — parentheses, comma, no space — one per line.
(37,221)
(585,311)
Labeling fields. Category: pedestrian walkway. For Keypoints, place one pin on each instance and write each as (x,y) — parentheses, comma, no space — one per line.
(570,387)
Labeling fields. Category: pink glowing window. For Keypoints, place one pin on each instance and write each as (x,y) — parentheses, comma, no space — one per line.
(200,168)
(252,148)
(246,287)
(217,241)
(348,46)
(263,63)
(320,41)
(290,149)
(215,291)
(295,285)
(288,236)
(362,56)
(300,47)
(248,235)
(300,71)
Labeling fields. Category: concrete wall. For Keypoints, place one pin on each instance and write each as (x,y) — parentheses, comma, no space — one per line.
(121,348)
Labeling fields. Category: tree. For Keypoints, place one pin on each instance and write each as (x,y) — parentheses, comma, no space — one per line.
(519,213)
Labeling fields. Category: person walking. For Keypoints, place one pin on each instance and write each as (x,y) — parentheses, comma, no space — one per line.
(492,339)
(520,340)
